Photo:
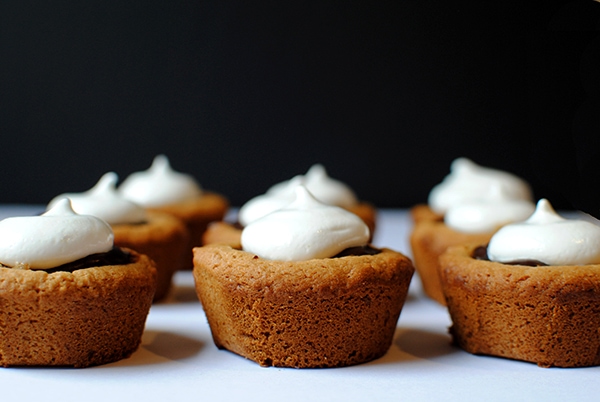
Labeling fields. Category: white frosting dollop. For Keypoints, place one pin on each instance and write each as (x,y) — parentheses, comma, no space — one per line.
(548,238)
(324,188)
(272,200)
(159,185)
(57,237)
(483,216)
(303,230)
(468,181)
(104,201)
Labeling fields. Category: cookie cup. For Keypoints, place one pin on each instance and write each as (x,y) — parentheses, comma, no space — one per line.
(368,213)
(422,212)
(164,238)
(222,232)
(196,213)
(83,318)
(318,313)
(429,238)
(548,315)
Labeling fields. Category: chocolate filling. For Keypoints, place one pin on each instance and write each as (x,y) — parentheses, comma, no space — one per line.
(116,256)
(144,222)
(360,250)
(480,253)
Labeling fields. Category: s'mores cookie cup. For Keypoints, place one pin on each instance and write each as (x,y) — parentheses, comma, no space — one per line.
(469,205)
(532,294)
(326,189)
(162,189)
(305,291)
(68,296)
(159,235)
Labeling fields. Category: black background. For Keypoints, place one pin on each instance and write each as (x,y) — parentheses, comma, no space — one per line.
(243,94)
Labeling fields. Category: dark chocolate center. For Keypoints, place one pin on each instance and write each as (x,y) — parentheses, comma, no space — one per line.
(116,256)
(480,253)
(360,250)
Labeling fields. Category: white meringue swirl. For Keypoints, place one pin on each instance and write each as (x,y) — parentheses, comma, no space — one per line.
(324,188)
(270,201)
(327,189)
(303,230)
(57,237)
(483,216)
(159,185)
(548,238)
(468,181)
(104,201)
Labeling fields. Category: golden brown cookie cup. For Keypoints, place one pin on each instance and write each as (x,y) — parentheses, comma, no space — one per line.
(422,212)
(366,212)
(196,214)
(329,312)
(548,315)
(82,318)
(223,233)
(429,238)
(164,238)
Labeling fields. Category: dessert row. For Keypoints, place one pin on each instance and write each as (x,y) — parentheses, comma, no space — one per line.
(519,280)
(296,282)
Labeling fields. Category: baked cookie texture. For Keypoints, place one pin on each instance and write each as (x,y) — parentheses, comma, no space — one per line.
(318,313)
(368,213)
(548,315)
(83,318)
(196,214)
(422,212)
(223,233)
(429,238)
(164,238)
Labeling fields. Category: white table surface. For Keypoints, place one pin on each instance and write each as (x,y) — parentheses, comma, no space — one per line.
(179,362)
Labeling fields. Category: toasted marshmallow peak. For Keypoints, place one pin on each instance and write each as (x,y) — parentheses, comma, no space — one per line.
(159,185)
(104,201)
(548,238)
(57,237)
(468,181)
(303,230)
